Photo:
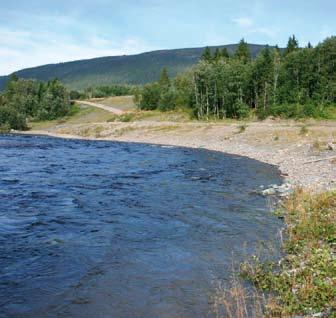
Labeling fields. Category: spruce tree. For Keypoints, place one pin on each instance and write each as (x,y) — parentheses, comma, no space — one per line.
(206,56)
(217,55)
(225,53)
(164,80)
(292,45)
(243,51)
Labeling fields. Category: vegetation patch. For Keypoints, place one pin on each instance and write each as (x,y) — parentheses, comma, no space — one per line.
(303,282)
(29,100)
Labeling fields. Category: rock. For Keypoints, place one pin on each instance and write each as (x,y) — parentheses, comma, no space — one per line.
(331,146)
(269,191)
(319,314)
(282,190)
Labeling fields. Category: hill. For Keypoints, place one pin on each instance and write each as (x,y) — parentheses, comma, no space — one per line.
(127,69)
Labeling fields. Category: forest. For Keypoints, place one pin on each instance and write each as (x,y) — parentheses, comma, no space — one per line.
(291,83)
(103,91)
(25,99)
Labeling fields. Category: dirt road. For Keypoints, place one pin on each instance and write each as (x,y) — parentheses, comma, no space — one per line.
(105,107)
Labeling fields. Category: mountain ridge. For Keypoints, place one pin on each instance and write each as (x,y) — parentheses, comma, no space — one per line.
(123,69)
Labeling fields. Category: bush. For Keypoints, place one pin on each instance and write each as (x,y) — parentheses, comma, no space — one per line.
(167,100)
(4,128)
(10,117)
(242,110)
(150,97)
(297,111)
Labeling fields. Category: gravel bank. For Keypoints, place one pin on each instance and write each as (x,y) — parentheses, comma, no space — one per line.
(304,153)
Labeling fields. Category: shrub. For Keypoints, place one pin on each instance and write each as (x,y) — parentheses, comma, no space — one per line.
(297,111)
(150,96)
(167,100)
(242,110)
(10,117)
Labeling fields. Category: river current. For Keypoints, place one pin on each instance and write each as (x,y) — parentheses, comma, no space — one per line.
(108,229)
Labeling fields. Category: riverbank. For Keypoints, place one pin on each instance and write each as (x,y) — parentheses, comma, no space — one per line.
(305,152)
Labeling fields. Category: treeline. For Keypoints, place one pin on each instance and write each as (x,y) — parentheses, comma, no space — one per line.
(103,91)
(25,100)
(294,82)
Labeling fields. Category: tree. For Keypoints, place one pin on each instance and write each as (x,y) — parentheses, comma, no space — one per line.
(164,80)
(167,100)
(217,55)
(225,53)
(292,45)
(150,96)
(263,77)
(206,56)
(10,118)
(243,52)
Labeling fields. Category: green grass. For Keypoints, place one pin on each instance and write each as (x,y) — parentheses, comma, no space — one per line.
(78,115)
(304,281)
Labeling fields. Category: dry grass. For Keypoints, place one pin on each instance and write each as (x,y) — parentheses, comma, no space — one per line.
(237,302)
(319,145)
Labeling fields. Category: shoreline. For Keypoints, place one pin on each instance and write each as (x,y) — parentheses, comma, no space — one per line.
(298,162)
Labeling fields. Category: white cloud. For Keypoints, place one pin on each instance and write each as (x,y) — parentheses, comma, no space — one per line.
(21,49)
(250,28)
(243,22)
(265,31)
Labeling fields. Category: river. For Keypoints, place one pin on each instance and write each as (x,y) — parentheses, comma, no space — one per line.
(108,229)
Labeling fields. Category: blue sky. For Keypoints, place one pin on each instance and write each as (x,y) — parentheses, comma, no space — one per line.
(35,32)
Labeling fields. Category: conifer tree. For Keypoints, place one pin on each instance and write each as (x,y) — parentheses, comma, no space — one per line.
(164,80)
(217,55)
(206,56)
(243,51)
(292,45)
(225,53)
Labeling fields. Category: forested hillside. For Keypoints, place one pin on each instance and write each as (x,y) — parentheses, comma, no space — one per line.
(133,69)
(296,83)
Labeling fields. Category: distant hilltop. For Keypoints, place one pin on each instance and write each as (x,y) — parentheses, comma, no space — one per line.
(128,69)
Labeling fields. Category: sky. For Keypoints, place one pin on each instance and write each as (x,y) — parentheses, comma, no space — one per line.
(37,32)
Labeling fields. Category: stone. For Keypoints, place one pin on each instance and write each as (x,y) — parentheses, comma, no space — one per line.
(331,146)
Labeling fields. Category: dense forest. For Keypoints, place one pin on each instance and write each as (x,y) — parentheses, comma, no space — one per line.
(296,82)
(29,99)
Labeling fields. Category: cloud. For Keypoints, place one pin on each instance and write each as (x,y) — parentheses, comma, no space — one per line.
(250,28)
(243,22)
(265,31)
(21,49)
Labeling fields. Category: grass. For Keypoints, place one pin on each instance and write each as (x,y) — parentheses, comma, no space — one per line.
(303,282)
(79,115)
(319,145)
(121,102)
(237,301)
(303,131)
(152,115)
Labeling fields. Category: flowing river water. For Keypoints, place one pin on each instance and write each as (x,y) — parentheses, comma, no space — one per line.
(107,229)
